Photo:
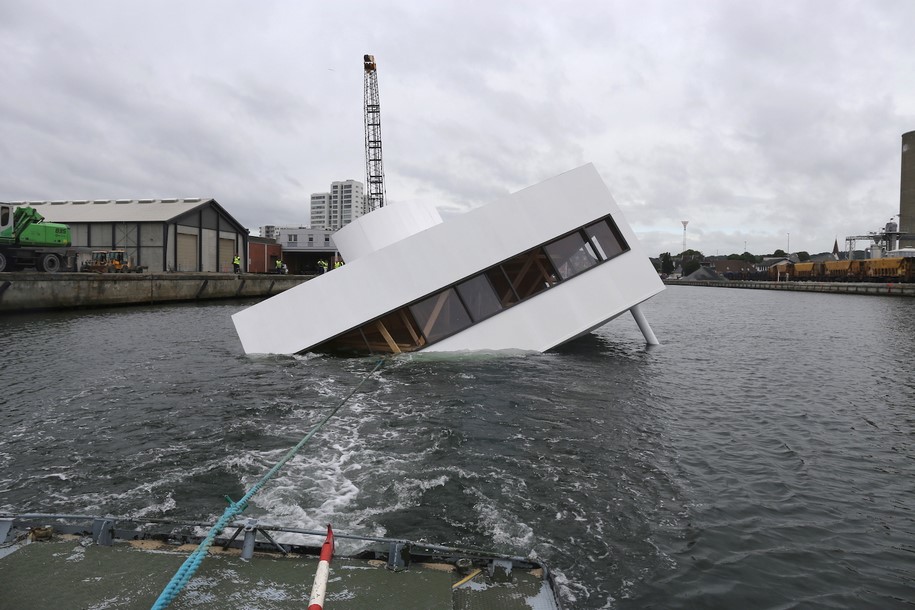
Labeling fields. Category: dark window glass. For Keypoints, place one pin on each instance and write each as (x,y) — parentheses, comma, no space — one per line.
(530,273)
(605,239)
(479,298)
(351,342)
(571,255)
(483,295)
(440,315)
(504,291)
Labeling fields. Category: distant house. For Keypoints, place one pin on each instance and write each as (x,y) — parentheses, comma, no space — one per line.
(732,267)
(770,261)
(195,234)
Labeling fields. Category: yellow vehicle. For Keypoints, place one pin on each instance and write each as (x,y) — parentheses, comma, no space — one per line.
(110,261)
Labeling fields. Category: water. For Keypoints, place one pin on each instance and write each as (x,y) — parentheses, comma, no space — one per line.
(761,457)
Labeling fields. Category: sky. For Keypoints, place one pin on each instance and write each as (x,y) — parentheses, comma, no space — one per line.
(766,125)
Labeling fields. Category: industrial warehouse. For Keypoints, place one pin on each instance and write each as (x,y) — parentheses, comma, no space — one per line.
(161,235)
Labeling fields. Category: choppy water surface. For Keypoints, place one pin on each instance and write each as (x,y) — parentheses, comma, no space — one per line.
(761,457)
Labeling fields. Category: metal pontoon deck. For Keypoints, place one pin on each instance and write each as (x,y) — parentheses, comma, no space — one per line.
(73,561)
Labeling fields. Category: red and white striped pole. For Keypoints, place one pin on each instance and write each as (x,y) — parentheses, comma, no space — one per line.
(320,587)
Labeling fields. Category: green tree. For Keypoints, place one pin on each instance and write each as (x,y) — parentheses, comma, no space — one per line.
(803,255)
(690,266)
(779,252)
(667,263)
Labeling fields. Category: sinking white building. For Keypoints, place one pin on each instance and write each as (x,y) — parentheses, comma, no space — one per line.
(530,272)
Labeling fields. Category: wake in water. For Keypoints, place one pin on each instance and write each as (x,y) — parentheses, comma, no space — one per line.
(703,471)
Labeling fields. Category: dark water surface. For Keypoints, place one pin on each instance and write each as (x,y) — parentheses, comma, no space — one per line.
(762,457)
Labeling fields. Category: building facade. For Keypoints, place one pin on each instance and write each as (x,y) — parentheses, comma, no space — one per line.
(304,238)
(303,248)
(320,206)
(263,253)
(180,235)
(344,203)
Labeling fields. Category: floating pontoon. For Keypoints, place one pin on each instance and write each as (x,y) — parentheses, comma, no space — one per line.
(76,561)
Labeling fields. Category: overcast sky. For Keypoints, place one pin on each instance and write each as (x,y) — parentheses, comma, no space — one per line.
(752,120)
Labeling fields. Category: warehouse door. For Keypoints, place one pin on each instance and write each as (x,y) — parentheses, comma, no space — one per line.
(125,236)
(226,254)
(186,258)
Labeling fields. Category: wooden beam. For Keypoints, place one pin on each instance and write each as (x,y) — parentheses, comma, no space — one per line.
(433,318)
(392,345)
(417,340)
(516,282)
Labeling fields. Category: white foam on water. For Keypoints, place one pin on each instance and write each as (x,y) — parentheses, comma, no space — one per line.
(503,526)
(412,489)
(157,508)
(325,483)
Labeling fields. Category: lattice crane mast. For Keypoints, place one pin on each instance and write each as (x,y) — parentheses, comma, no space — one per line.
(374,168)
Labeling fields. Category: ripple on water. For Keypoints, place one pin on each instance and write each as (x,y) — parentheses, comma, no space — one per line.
(762,456)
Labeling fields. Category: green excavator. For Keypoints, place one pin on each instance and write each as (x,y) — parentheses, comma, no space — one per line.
(26,240)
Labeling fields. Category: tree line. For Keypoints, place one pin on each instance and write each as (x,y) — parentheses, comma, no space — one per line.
(690,260)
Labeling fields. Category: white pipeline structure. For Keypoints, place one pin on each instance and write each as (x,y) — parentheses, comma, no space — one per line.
(529,272)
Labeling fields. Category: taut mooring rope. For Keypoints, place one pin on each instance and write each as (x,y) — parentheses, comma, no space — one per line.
(190,565)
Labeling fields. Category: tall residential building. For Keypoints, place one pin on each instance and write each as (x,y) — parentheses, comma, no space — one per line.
(344,203)
(320,206)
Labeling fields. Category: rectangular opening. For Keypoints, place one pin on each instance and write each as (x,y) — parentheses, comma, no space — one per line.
(479,297)
(504,291)
(440,315)
(606,239)
(457,307)
(530,273)
(352,342)
(571,255)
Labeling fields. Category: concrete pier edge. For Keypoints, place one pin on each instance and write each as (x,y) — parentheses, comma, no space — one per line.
(863,288)
(22,292)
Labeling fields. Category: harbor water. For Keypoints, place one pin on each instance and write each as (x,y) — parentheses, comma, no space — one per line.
(763,456)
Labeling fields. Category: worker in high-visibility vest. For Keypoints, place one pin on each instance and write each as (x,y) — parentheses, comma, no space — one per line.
(338,264)
(322,264)
(236,262)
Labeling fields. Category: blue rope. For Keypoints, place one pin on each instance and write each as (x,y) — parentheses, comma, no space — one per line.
(190,565)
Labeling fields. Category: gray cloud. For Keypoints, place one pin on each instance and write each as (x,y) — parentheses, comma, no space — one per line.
(750,120)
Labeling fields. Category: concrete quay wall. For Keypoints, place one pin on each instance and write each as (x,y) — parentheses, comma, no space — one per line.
(871,288)
(25,291)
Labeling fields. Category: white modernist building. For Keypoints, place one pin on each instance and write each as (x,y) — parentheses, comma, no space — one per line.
(541,267)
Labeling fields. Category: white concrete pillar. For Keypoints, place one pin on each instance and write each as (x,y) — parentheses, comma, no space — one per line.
(642,321)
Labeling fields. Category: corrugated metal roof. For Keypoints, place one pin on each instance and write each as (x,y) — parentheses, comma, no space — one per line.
(116,210)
